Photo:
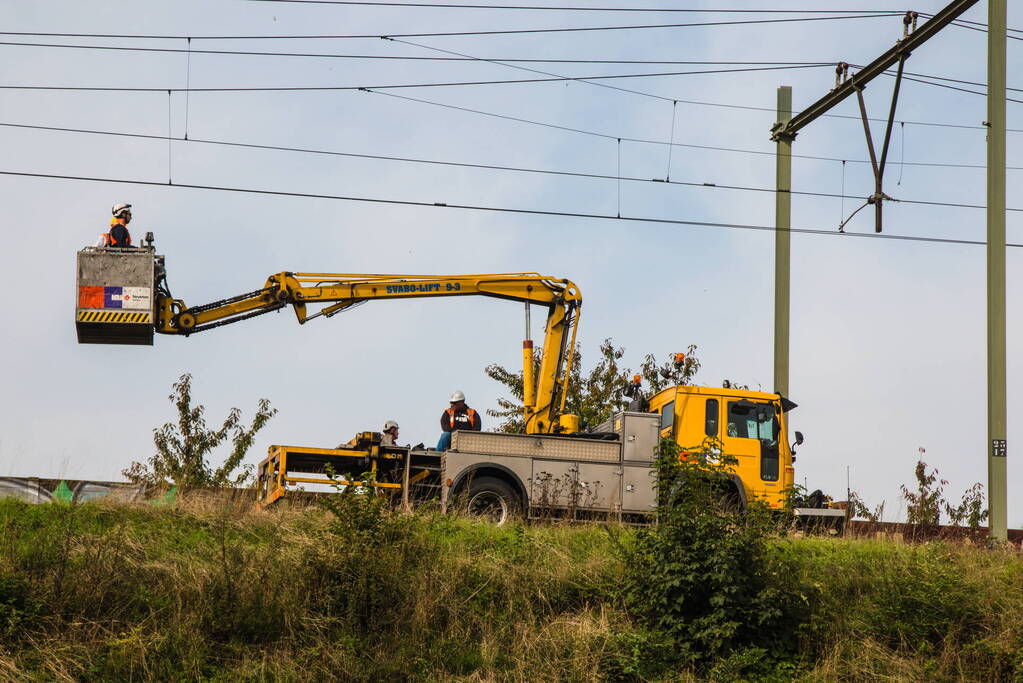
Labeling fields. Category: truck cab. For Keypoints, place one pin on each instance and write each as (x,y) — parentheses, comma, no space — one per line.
(750,426)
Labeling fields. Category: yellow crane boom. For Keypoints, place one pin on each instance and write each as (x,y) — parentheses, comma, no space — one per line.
(544,393)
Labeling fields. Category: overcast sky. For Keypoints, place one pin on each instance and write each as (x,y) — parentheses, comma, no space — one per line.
(888,337)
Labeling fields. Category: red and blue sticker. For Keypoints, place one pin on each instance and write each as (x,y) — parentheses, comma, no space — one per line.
(114,297)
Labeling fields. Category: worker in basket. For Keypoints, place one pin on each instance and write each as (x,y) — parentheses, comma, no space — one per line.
(118,235)
(459,416)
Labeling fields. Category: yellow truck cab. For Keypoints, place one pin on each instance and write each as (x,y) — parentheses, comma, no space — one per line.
(750,426)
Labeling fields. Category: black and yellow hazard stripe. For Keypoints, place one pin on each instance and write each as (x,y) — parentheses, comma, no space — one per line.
(114,317)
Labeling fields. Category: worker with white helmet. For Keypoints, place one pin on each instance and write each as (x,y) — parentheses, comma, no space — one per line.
(390,432)
(118,235)
(458,417)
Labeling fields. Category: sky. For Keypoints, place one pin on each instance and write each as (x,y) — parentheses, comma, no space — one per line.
(888,341)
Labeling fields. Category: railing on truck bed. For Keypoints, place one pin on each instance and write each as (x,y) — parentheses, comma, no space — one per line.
(363,462)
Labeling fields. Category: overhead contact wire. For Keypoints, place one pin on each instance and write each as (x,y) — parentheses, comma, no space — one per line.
(537,71)
(257,53)
(307,88)
(444,34)
(583,131)
(510,210)
(640,92)
(583,9)
(377,157)
(508,60)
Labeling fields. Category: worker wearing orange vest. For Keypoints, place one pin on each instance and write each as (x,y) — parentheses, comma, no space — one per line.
(118,236)
(458,417)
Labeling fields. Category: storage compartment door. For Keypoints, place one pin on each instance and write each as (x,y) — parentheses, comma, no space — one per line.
(638,489)
(554,483)
(600,486)
(640,435)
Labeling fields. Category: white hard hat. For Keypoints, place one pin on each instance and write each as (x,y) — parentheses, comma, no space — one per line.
(120,208)
(389,425)
(457,396)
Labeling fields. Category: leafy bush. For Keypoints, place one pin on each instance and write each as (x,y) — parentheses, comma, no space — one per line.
(19,609)
(925,505)
(706,577)
(971,510)
(183,449)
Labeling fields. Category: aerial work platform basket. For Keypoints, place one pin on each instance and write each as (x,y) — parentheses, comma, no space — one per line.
(115,295)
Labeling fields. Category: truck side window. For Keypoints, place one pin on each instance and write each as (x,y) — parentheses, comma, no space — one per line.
(667,415)
(711,424)
(747,420)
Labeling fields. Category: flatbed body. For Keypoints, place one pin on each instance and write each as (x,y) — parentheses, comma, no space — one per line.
(605,475)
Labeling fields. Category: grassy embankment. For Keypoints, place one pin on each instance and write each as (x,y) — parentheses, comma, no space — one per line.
(107,592)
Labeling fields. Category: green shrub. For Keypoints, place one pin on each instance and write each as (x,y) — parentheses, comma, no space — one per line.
(706,577)
(20,611)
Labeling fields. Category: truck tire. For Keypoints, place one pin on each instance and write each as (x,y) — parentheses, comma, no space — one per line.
(493,499)
(731,500)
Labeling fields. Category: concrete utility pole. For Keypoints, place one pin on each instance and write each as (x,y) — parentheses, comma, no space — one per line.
(782,244)
(996,411)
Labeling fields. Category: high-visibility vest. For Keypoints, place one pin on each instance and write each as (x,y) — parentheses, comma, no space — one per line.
(110,241)
(108,238)
(451,416)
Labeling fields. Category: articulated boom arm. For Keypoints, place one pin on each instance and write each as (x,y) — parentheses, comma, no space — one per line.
(544,396)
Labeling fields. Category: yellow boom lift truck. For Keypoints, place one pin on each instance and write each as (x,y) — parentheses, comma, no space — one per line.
(552,469)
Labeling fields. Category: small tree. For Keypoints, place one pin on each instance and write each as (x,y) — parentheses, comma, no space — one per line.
(598,394)
(602,392)
(669,373)
(971,510)
(183,450)
(860,510)
(924,505)
(592,398)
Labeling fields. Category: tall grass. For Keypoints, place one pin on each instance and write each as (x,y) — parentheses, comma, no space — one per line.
(214,591)
(884,610)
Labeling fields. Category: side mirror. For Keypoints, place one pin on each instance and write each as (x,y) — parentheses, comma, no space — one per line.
(799,442)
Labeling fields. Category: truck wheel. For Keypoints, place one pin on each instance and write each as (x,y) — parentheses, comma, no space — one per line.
(731,501)
(492,499)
